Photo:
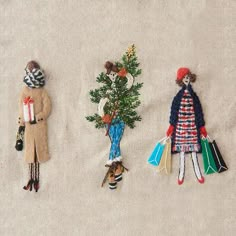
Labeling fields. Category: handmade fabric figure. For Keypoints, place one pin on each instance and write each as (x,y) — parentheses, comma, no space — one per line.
(34,109)
(116,130)
(117,100)
(187,124)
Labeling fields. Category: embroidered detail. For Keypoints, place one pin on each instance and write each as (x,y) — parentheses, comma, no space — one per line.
(122,72)
(186,123)
(117,99)
(20,138)
(34,79)
(114,174)
(28,109)
(186,148)
(115,133)
(186,141)
(33,100)
(188,133)
(34,177)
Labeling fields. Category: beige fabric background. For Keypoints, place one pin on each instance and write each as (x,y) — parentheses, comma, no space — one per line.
(72,40)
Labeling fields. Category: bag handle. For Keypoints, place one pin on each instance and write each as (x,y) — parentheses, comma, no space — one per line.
(209,138)
(163,140)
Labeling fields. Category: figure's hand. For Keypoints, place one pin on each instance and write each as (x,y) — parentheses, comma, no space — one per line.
(39,117)
(33,122)
(107,119)
(170,131)
(203,131)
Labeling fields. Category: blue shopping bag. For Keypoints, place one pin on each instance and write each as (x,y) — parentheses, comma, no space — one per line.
(155,157)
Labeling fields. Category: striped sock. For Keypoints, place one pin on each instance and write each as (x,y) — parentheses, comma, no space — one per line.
(118,177)
(112,185)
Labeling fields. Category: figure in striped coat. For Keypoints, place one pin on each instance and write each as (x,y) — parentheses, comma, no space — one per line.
(186,123)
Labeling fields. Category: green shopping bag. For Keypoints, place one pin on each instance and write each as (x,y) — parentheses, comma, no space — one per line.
(208,159)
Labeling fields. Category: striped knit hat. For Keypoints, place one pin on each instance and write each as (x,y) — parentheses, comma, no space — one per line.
(182,72)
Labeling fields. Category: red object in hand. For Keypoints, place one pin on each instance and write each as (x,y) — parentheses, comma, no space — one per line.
(122,72)
(28,103)
(28,100)
(203,131)
(107,119)
(170,130)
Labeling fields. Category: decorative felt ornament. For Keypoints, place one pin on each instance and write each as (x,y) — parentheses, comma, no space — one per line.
(28,109)
(117,99)
(219,161)
(34,109)
(155,157)
(187,130)
(208,160)
(161,156)
(165,162)
(212,158)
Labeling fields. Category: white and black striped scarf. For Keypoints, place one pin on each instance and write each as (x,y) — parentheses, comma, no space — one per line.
(35,79)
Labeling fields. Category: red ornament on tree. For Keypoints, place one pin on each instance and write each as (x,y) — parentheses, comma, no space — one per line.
(107,119)
(122,72)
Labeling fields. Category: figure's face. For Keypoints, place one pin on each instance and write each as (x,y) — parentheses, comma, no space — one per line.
(112,76)
(186,80)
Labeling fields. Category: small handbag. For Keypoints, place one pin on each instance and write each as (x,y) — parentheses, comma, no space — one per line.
(20,138)
(155,157)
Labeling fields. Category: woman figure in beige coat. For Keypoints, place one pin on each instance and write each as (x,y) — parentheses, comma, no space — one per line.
(34,107)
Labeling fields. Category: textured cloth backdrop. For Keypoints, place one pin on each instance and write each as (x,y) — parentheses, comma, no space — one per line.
(72,40)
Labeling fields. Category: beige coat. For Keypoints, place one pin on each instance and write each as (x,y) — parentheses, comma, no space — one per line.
(36,134)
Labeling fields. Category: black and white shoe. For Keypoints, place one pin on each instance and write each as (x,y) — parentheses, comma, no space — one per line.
(118,178)
(113,185)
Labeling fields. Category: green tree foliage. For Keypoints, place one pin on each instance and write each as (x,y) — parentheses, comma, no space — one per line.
(123,101)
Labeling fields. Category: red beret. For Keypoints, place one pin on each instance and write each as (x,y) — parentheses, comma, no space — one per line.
(182,72)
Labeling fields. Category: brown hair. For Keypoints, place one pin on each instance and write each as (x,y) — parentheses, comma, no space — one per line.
(193,78)
(111,67)
(31,65)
